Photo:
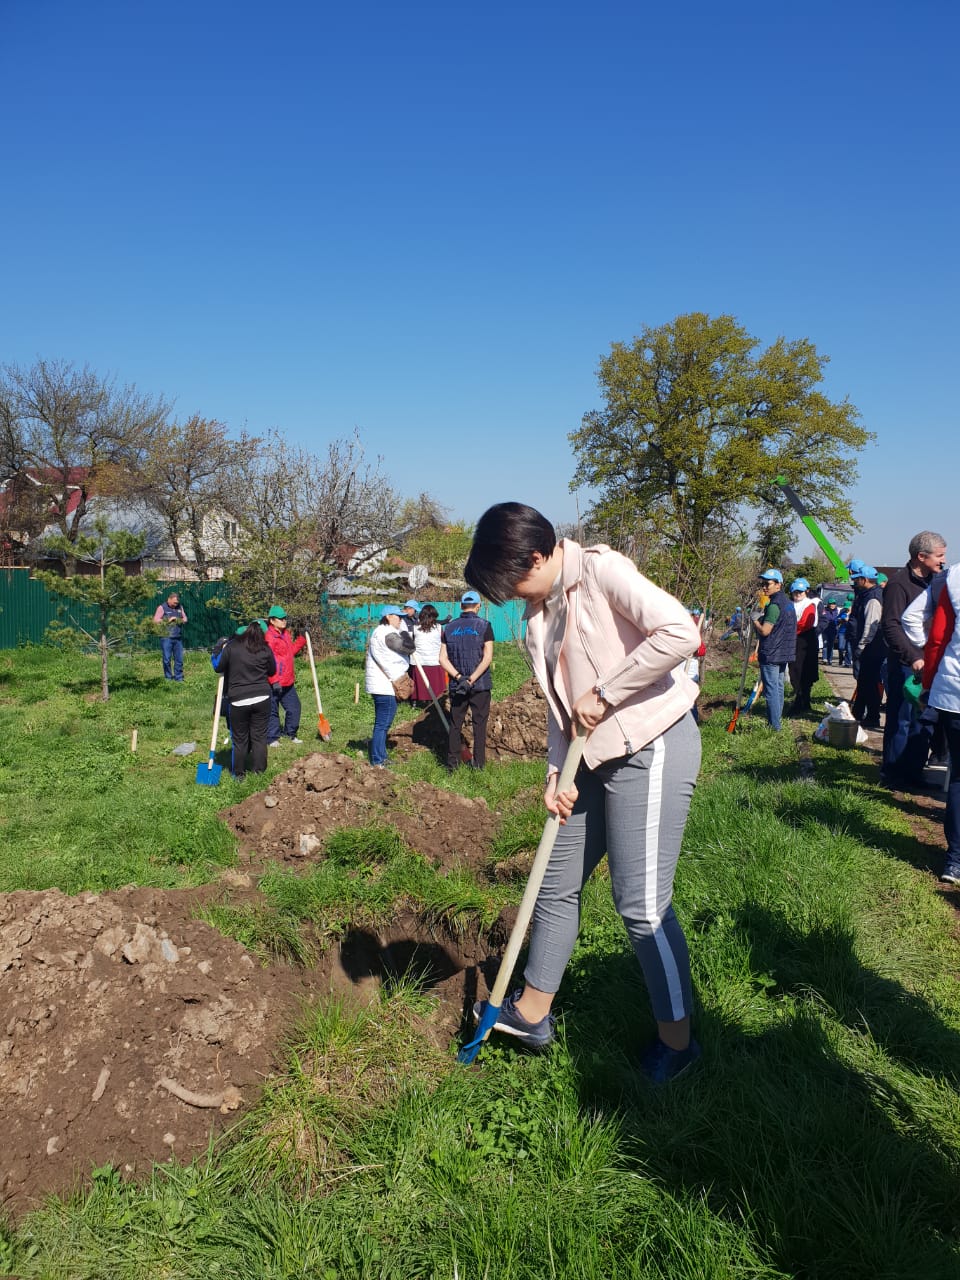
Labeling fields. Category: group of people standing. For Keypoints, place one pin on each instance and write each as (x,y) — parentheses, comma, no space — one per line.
(257,664)
(452,658)
(901,640)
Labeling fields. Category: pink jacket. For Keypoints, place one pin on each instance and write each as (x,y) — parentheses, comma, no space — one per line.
(624,633)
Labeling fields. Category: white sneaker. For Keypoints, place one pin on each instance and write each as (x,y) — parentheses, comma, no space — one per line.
(300,740)
(275,743)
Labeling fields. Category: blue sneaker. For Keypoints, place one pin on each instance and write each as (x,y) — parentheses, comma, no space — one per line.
(950,875)
(537,1035)
(661,1064)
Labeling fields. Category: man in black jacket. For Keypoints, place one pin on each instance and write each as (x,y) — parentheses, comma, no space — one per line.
(870,648)
(906,737)
(466,651)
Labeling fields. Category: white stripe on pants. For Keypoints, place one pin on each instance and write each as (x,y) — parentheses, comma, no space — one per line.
(633,809)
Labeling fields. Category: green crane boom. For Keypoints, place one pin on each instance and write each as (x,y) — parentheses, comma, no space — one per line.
(818,535)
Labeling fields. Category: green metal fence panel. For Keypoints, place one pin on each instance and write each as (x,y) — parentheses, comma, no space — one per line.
(206,605)
(27,608)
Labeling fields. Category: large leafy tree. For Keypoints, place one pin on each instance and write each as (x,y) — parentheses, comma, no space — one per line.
(73,435)
(697,423)
(117,597)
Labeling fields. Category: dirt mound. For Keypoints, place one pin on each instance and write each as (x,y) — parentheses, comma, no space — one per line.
(517,729)
(117,1007)
(133,1030)
(322,792)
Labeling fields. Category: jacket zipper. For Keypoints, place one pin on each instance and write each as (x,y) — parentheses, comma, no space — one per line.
(593,662)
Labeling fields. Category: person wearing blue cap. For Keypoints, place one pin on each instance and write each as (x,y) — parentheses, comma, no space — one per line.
(466,651)
(777,628)
(804,669)
(869,646)
(411,613)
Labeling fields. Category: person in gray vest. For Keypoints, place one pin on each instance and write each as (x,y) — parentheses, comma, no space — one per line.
(171,645)
(466,651)
(777,628)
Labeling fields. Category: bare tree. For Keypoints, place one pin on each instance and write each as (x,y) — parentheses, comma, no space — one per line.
(303,519)
(189,480)
(74,435)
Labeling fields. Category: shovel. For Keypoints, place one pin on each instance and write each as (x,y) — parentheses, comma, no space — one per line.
(208,775)
(433,696)
(323,724)
(527,904)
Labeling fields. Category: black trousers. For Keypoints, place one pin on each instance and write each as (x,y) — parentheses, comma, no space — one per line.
(477,702)
(866,705)
(248,731)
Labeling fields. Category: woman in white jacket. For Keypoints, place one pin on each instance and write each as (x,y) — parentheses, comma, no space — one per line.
(388,659)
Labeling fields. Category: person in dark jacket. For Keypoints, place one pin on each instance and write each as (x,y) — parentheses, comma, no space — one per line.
(829,634)
(466,651)
(777,628)
(870,648)
(906,733)
(248,665)
(804,669)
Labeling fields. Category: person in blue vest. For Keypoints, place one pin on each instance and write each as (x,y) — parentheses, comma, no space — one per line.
(466,651)
(776,626)
(171,645)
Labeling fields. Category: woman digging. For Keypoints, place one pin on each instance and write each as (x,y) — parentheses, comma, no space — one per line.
(604,643)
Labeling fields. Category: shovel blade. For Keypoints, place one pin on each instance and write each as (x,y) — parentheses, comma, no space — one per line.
(323,728)
(486,1024)
(208,774)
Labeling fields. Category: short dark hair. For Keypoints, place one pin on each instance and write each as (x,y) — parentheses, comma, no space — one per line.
(504,542)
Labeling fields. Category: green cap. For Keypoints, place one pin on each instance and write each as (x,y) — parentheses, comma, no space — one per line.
(276,612)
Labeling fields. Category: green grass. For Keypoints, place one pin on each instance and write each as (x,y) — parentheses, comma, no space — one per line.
(820,1137)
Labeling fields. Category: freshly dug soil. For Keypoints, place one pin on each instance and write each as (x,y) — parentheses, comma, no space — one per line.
(104,997)
(117,1003)
(321,793)
(516,730)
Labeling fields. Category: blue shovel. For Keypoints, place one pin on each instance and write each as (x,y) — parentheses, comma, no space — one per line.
(527,904)
(208,775)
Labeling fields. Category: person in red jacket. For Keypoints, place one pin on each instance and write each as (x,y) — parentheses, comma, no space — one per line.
(283,690)
(941,679)
(804,669)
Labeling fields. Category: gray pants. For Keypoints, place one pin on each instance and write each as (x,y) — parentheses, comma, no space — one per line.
(633,809)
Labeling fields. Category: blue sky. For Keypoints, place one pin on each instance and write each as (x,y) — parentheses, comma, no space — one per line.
(428,222)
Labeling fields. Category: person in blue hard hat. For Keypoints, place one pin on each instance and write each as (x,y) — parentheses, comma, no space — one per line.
(776,626)
(870,648)
(804,669)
